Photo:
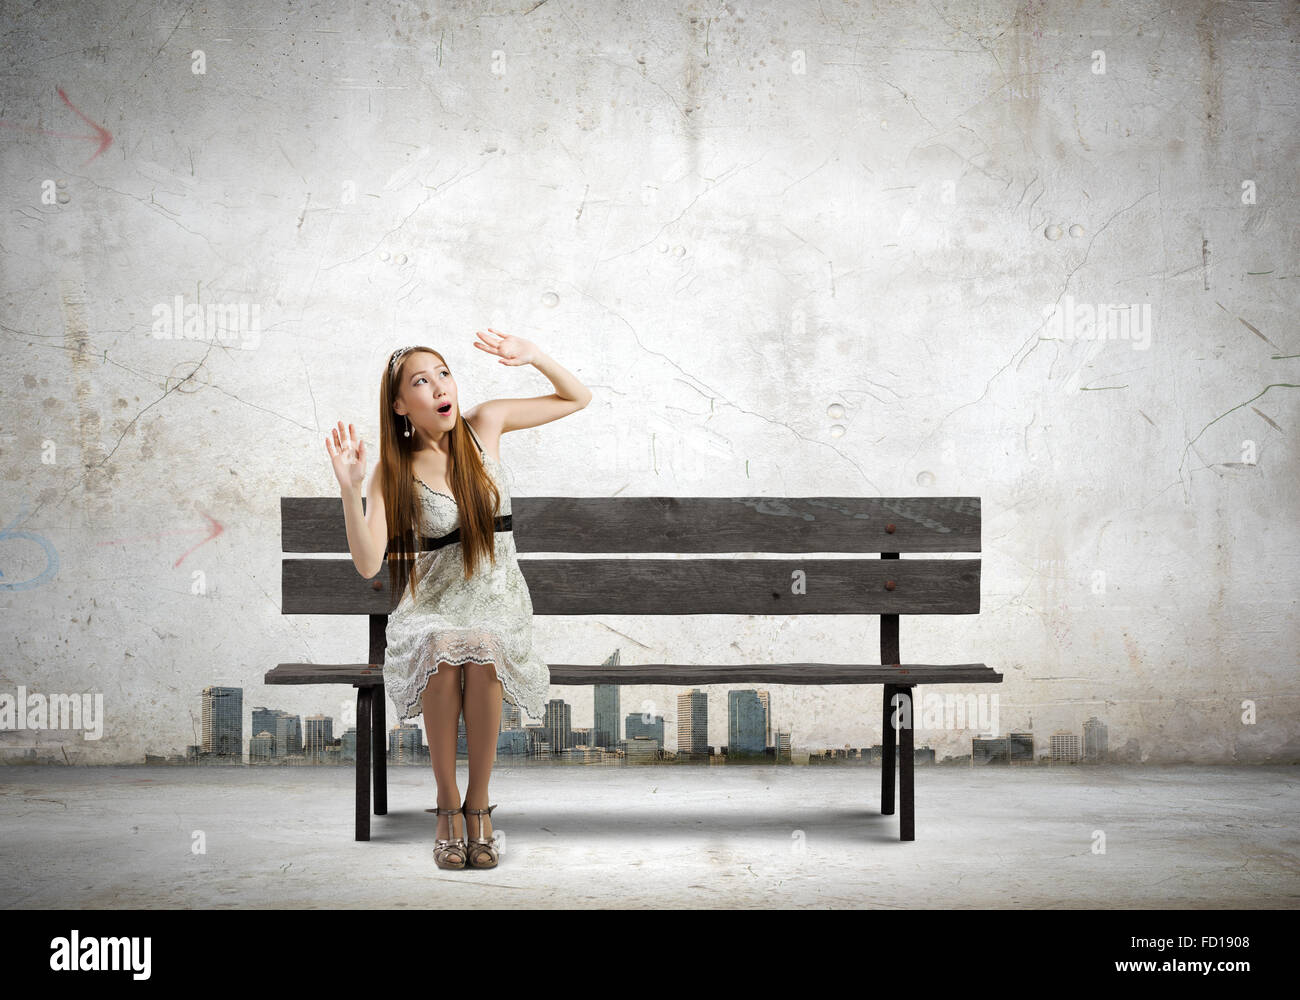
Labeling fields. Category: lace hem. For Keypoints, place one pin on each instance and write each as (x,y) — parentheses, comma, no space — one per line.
(487,648)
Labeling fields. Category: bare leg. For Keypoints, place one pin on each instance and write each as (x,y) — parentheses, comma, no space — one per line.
(441,702)
(482,705)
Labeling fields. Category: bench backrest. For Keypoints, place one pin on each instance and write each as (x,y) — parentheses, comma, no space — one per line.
(885,527)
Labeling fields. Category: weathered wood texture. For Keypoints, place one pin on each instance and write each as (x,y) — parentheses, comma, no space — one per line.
(618,525)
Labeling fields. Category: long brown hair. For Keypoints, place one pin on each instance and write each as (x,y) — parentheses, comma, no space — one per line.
(475,493)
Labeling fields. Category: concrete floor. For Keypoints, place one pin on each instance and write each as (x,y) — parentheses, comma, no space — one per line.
(658,837)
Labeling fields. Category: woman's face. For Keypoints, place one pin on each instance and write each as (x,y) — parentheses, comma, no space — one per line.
(428,392)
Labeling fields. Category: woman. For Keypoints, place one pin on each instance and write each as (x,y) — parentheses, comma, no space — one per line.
(460,638)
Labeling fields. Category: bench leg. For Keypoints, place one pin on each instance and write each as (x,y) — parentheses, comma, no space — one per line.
(906,760)
(378,736)
(887,758)
(365,695)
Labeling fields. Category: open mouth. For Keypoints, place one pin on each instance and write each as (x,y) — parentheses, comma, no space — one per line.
(445,408)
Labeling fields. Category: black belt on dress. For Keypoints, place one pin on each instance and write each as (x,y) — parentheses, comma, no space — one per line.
(428,544)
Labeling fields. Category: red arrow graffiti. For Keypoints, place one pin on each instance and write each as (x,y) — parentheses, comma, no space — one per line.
(214,529)
(101,136)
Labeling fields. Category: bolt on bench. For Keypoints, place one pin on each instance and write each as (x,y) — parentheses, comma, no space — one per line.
(887,586)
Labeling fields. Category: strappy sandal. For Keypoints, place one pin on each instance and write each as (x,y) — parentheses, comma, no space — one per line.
(482,850)
(450,852)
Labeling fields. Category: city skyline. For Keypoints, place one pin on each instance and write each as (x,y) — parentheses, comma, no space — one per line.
(281,736)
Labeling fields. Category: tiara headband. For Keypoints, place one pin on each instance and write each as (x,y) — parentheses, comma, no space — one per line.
(397,356)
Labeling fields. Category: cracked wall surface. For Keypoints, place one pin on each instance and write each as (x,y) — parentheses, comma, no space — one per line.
(1038,254)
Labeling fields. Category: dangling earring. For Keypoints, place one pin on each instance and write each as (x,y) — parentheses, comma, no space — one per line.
(408,427)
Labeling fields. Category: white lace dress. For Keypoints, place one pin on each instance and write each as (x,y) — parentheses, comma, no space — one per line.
(485,619)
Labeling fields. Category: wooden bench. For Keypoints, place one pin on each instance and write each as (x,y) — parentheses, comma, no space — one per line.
(723,585)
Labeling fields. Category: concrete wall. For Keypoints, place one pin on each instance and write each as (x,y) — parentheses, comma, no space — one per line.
(793,248)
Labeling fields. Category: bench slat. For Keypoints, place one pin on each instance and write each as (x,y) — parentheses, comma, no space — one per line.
(695,675)
(689,674)
(693,524)
(363,674)
(676,587)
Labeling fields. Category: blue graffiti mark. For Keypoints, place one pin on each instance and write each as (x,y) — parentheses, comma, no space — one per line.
(51,555)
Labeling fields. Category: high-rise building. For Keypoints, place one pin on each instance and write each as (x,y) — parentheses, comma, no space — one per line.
(264,721)
(606,714)
(319,735)
(766,698)
(1022,746)
(405,744)
(223,722)
(558,725)
(288,735)
(693,724)
(1094,739)
(745,724)
(1065,747)
(637,727)
(512,716)
(781,744)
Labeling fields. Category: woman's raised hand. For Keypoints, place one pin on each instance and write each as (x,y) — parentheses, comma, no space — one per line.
(348,454)
(511,350)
